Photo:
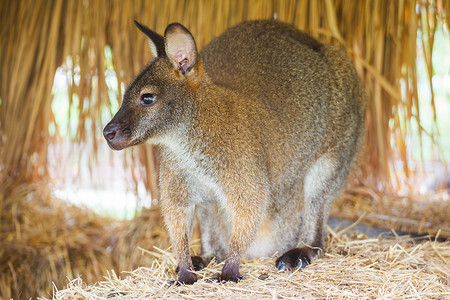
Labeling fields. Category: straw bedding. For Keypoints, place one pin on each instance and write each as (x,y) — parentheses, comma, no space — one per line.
(354,267)
(419,214)
(43,239)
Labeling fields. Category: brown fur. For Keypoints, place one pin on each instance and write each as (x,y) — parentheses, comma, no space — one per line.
(257,135)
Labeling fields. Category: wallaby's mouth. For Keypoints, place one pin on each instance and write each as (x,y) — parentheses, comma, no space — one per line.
(117,137)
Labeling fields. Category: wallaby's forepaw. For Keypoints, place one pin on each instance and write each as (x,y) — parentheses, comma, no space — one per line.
(296,258)
(230,272)
(186,277)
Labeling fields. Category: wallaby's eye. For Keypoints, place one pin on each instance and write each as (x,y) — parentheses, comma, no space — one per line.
(148,99)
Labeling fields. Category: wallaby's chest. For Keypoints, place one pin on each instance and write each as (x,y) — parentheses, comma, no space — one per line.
(196,168)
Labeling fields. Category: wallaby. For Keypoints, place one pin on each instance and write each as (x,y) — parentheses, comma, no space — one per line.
(257,134)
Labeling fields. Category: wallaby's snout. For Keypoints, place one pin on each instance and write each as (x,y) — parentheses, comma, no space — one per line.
(117,135)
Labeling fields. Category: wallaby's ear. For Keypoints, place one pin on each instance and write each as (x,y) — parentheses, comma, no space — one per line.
(180,47)
(155,40)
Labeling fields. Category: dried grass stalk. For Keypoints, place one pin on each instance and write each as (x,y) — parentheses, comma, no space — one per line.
(353,267)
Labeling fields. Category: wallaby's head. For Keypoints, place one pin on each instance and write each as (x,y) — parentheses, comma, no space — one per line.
(161,96)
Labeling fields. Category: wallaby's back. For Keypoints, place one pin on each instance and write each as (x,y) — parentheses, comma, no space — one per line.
(312,95)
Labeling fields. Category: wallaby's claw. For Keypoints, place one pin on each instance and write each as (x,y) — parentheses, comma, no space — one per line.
(217,278)
(198,263)
(176,283)
(303,262)
(281,266)
(213,279)
(224,277)
(294,258)
(173,282)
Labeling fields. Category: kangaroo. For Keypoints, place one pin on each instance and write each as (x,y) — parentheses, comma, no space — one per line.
(257,134)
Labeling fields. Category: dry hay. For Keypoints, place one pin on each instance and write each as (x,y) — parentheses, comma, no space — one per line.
(43,239)
(144,231)
(353,267)
(38,232)
(419,214)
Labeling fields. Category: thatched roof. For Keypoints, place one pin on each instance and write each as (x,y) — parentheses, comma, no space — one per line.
(37,38)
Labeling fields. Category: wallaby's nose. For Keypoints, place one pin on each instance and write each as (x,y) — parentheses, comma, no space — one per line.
(110,132)
(116,136)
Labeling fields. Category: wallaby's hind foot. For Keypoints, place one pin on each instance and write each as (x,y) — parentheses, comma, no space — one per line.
(297,258)
(197,262)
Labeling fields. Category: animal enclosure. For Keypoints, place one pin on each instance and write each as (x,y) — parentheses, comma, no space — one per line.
(400,50)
